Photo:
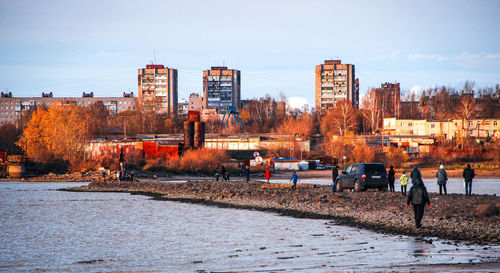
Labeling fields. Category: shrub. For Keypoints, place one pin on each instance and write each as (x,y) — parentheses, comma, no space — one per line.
(396,156)
(155,165)
(362,153)
(83,165)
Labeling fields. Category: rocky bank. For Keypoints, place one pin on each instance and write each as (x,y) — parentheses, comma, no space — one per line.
(453,216)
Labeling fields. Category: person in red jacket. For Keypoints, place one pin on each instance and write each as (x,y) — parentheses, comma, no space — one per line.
(267,175)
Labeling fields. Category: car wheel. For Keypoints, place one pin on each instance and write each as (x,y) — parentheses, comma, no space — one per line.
(357,186)
(338,186)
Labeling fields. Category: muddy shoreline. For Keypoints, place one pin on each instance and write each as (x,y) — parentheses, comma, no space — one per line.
(147,176)
(385,212)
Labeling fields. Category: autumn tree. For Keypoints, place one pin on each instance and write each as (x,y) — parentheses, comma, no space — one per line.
(363,153)
(60,132)
(301,125)
(97,115)
(262,115)
(340,119)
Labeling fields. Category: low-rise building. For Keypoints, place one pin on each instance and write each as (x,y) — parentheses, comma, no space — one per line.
(11,108)
(447,129)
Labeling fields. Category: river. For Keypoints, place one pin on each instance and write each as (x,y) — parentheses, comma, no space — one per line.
(43,229)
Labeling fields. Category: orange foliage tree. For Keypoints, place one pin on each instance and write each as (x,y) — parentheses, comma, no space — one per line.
(340,120)
(60,132)
(363,153)
(301,125)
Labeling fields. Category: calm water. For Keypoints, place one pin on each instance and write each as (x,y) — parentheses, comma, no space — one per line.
(42,229)
(454,185)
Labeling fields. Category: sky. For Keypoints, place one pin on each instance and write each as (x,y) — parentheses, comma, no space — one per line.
(71,47)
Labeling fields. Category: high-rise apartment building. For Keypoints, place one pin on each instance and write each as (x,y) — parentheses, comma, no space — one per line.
(335,82)
(158,89)
(221,88)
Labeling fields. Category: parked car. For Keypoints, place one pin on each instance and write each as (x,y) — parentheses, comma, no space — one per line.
(360,176)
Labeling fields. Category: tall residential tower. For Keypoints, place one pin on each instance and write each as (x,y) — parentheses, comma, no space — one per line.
(158,89)
(221,88)
(335,82)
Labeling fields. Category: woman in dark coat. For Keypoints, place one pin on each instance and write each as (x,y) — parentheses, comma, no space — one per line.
(442,177)
(391,177)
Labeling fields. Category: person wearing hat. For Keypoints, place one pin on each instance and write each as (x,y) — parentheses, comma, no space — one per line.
(442,177)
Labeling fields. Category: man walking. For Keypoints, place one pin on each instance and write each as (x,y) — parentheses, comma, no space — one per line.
(247,173)
(418,197)
(335,174)
(468,174)
(442,177)
(391,177)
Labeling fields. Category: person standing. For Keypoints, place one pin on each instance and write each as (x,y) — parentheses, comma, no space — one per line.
(224,173)
(442,177)
(118,175)
(247,173)
(418,197)
(415,176)
(267,175)
(335,174)
(391,177)
(294,179)
(468,174)
(403,180)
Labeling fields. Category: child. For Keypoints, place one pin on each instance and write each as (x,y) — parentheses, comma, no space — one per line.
(267,174)
(404,181)
(294,179)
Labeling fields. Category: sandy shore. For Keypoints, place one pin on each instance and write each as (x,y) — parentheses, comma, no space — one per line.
(449,218)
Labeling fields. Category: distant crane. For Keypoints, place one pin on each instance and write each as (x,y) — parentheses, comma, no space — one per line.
(232,111)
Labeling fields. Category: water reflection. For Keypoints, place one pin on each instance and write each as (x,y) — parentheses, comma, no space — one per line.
(43,229)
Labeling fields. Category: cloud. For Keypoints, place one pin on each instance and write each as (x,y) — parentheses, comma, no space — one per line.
(297,103)
(479,60)
(389,56)
(465,59)
(427,57)
(103,53)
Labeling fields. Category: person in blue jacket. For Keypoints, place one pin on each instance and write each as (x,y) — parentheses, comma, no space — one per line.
(294,179)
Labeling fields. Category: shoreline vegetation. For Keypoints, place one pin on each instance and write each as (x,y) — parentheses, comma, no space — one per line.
(450,218)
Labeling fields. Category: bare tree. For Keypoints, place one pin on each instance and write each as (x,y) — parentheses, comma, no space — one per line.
(340,119)
(372,113)
(467,108)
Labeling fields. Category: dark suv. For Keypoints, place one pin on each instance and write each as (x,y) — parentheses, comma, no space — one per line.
(360,176)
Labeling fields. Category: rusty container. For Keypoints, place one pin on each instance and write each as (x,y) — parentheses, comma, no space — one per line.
(199,134)
(16,170)
(188,134)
